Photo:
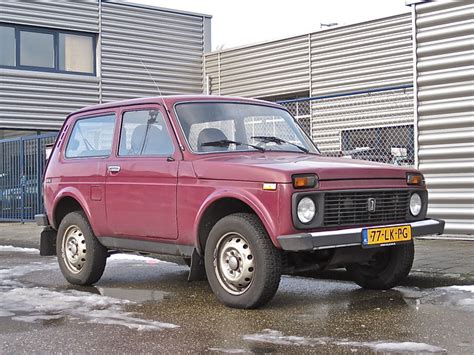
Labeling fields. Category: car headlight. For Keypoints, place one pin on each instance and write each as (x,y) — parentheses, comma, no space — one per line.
(415,204)
(306,210)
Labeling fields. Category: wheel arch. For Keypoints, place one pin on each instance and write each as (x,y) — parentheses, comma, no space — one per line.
(220,205)
(68,201)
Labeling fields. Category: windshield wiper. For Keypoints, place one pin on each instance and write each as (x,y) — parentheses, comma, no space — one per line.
(271,139)
(227,142)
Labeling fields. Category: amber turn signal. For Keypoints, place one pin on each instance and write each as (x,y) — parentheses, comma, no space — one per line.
(415,179)
(305,181)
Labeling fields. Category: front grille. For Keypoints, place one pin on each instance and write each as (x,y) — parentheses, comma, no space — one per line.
(351,207)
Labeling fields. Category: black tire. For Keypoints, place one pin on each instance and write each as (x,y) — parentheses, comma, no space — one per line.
(266,264)
(388,268)
(88,267)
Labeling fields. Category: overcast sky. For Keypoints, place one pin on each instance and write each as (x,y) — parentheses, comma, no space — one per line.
(241,22)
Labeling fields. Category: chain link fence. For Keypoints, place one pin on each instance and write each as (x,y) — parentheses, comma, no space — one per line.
(375,125)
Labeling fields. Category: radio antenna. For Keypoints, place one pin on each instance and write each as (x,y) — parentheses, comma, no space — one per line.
(154,82)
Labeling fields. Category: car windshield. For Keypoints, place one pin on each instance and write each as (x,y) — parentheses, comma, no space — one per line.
(227,126)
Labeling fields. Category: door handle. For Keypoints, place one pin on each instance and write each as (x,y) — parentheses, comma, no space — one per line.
(113,168)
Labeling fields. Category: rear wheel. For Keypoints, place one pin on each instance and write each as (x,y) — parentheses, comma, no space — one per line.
(386,269)
(81,257)
(242,265)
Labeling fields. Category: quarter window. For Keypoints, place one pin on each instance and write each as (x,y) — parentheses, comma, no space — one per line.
(144,133)
(91,137)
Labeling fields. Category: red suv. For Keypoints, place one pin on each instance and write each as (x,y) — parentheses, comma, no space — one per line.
(234,187)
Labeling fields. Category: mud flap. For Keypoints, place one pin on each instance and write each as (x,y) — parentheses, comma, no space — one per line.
(48,242)
(197,272)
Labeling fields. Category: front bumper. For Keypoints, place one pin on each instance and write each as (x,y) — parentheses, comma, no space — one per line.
(350,237)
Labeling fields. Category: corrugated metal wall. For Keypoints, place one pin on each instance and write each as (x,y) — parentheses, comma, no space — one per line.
(365,56)
(72,15)
(36,100)
(261,70)
(445,81)
(39,100)
(368,55)
(170,44)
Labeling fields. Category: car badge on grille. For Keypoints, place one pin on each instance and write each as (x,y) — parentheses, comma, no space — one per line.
(371,204)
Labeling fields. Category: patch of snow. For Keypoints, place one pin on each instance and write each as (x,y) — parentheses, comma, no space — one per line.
(43,303)
(8,276)
(467,288)
(133,257)
(11,248)
(276,337)
(228,351)
(36,317)
(4,313)
(32,304)
(396,347)
(466,302)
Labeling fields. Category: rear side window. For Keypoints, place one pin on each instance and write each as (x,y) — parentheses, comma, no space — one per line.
(144,133)
(91,137)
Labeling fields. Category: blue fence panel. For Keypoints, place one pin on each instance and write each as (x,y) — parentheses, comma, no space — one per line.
(22,162)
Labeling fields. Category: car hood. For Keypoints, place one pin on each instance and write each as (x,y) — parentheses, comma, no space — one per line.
(278,167)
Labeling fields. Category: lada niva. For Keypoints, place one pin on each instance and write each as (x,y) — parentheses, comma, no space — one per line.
(232,186)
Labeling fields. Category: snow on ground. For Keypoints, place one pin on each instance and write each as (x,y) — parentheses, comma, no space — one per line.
(395,347)
(25,303)
(11,248)
(228,351)
(468,288)
(40,303)
(269,336)
(133,257)
(276,337)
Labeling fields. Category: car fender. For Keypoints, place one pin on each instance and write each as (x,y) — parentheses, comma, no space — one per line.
(79,197)
(250,200)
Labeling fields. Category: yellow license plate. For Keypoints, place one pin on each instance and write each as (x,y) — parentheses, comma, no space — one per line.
(386,235)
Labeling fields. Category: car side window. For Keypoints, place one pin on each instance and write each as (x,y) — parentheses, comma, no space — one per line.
(144,133)
(91,137)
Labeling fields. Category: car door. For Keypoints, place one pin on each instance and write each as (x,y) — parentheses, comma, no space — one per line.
(141,179)
(83,163)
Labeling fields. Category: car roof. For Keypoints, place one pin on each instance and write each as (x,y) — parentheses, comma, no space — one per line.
(169,101)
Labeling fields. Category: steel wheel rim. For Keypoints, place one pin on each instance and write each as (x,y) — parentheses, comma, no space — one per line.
(234,263)
(74,249)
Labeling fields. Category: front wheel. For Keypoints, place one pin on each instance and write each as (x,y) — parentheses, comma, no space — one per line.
(387,268)
(81,257)
(243,267)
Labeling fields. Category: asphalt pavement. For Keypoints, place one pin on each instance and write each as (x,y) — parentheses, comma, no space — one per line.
(145,305)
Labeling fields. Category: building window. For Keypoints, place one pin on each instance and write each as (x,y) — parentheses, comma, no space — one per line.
(76,53)
(34,48)
(7,46)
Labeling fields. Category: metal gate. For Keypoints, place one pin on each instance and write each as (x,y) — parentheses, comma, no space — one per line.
(22,161)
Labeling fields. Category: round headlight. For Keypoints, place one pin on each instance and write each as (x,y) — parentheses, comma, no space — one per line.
(306,210)
(415,204)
